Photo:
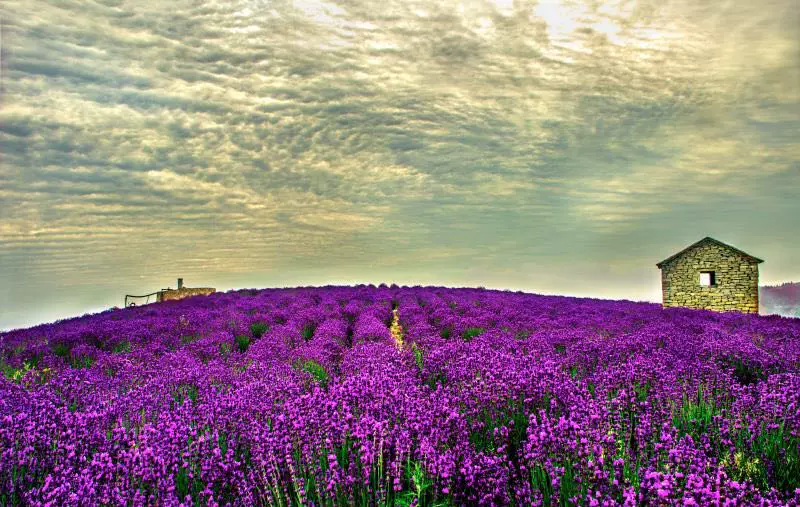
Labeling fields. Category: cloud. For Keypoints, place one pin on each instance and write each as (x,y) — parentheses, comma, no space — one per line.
(289,130)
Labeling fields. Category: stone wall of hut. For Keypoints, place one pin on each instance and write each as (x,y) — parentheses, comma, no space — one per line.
(736,277)
(171,294)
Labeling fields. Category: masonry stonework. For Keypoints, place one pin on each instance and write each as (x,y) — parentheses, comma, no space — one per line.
(185,292)
(735,274)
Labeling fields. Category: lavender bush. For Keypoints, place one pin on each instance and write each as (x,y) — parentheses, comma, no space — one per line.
(401,396)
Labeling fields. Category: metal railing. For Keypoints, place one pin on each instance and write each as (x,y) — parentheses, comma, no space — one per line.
(140,297)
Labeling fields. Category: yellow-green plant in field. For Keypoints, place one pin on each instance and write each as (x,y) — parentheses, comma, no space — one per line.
(316,370)
(419,358)
(396,329)
(16,374)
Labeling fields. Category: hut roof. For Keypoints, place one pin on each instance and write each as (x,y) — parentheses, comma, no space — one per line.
(705,241)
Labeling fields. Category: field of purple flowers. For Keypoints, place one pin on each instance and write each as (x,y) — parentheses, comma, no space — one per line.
(401,396)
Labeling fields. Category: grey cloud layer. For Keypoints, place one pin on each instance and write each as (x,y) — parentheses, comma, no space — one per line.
(287,134)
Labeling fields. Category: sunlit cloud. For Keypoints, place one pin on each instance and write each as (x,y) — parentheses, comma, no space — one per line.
(274,139)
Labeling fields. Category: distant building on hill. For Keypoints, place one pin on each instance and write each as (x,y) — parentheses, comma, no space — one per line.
(183,292)
(711,275)
(169,294)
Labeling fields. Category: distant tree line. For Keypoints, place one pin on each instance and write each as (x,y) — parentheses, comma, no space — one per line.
(783,299)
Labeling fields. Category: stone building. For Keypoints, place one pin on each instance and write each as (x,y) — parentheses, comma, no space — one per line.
(711,275)
(183,292)
(169,294)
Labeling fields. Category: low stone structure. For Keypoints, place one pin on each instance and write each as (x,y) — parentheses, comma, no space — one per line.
(169,294)
(184,292)
(711,275)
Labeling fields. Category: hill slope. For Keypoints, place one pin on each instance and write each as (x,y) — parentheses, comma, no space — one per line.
(400,396)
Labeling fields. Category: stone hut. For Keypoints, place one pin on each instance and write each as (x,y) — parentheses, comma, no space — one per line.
(711,275)
(183,292)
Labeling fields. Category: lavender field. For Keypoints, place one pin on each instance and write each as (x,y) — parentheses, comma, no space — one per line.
(401,396)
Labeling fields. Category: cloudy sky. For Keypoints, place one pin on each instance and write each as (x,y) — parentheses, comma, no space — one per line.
(555,146)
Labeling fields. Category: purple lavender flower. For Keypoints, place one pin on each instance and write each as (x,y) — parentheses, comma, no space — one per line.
(494,398)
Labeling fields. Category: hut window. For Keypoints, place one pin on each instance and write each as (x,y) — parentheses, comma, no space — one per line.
(707,279)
